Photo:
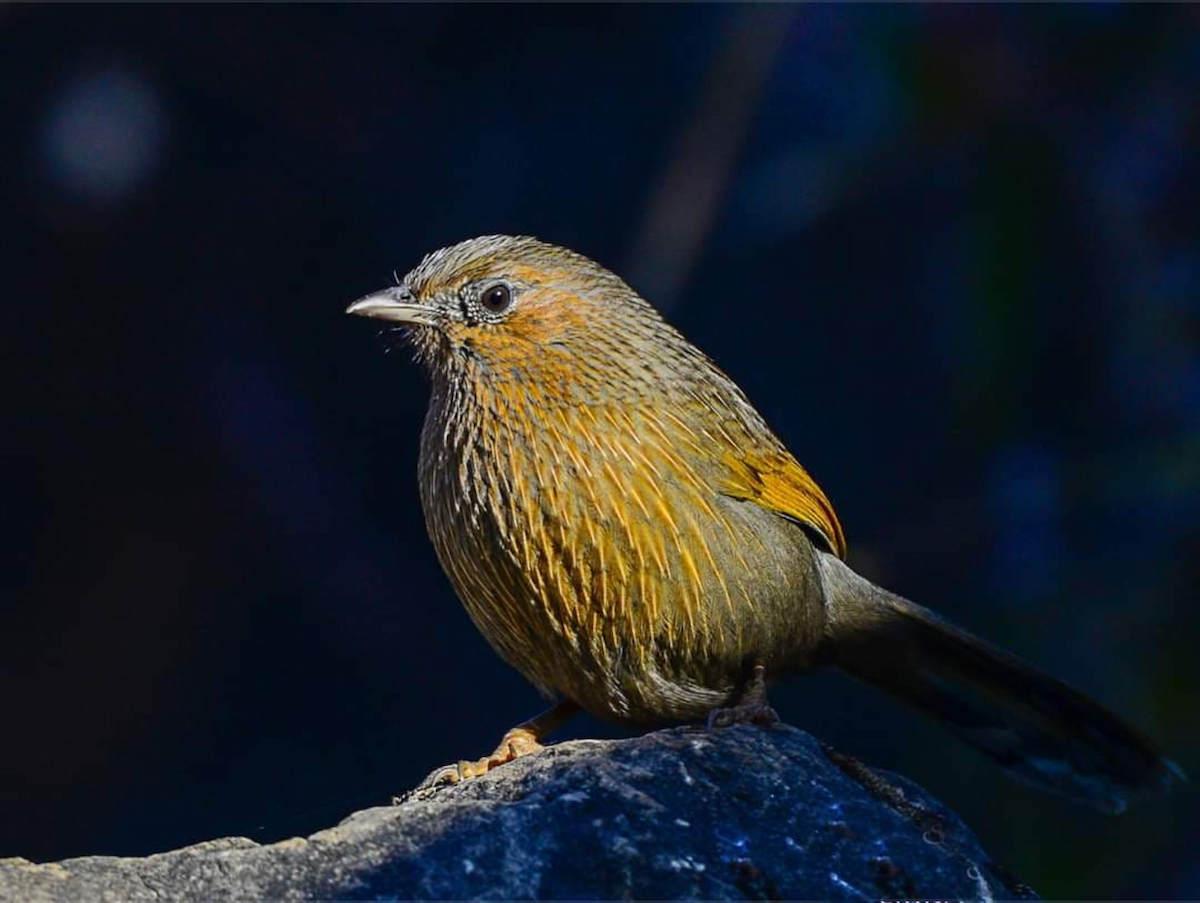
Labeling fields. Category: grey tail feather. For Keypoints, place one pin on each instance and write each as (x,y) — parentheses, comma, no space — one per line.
(1039,729)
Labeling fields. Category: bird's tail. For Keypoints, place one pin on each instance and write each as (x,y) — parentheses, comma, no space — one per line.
(1037,728)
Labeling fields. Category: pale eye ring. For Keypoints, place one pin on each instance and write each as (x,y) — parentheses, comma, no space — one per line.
(496,298)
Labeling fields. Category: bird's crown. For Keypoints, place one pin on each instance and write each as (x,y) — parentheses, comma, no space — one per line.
(517,256)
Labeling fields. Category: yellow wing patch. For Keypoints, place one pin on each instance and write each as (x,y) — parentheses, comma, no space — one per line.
(777,482)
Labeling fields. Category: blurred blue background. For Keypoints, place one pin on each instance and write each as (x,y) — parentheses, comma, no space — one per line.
(951,252)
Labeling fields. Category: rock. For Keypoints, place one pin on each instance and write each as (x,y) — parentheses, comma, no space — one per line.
(740,813)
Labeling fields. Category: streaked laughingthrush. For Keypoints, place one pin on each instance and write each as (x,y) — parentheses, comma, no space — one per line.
(628,533)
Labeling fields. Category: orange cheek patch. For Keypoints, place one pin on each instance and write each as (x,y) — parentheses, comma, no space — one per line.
(545,315)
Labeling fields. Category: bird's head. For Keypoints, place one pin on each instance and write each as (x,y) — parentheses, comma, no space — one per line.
(504,310)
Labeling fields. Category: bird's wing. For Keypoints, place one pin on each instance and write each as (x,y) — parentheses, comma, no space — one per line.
(776,481)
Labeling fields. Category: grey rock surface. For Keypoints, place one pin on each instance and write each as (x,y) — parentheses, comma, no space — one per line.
(738,813)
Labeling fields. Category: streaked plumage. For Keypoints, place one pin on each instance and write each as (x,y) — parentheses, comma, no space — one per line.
(629,534)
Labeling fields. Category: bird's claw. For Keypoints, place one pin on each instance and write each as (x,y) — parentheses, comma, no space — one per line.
(760,714)
(516,743)
(753,707)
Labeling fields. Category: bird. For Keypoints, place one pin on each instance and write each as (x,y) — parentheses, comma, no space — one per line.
(627,532)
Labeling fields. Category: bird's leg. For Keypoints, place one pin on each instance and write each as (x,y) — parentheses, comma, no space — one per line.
(752,707)
(519,741)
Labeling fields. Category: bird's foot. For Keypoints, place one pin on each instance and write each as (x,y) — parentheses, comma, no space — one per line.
(752,708)
(519,741)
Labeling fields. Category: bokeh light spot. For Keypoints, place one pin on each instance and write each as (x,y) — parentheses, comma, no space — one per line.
(104,135)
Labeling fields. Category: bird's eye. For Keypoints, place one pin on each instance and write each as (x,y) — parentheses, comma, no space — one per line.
(496,299)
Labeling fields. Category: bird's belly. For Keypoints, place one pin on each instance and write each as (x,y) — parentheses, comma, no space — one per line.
(636,627)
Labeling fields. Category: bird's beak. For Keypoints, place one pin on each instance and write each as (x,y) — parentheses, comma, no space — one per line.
(393,305)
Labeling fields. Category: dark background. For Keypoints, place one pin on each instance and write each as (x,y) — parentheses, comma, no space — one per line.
(952,253)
